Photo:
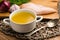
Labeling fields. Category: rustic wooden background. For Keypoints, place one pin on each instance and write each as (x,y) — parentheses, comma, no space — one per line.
(49,3)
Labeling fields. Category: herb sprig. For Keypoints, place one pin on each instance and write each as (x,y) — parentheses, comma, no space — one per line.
(18,2)
(0,0)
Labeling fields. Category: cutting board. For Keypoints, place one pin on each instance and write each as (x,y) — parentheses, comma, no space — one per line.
(48,3)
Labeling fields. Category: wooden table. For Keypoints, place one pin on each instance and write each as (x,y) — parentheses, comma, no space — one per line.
(48,3)
(43,2)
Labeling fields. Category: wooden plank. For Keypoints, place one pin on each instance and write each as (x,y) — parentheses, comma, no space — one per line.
(48,3)
(4,14)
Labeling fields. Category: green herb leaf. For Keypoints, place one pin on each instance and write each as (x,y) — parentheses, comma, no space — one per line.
(18,2)
(0,0)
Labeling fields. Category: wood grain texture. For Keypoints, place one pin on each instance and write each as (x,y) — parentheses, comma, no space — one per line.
(48,3)
(6,37)
(4,14)
(43,2)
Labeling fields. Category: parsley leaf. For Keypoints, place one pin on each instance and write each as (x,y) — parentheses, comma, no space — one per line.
(0,0)
(18,2)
